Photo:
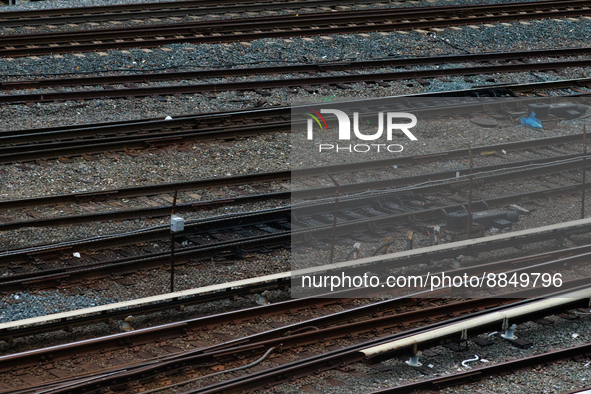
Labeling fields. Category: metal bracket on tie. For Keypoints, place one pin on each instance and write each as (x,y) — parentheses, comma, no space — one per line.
(505,324)
(126,325)
(464,336)
(414,359)
(413,362)
(263,298)
(510,333)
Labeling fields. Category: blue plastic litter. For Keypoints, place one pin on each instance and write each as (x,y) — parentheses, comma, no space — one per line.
(532,121)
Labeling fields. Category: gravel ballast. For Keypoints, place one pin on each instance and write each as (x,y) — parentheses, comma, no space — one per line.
(272,153)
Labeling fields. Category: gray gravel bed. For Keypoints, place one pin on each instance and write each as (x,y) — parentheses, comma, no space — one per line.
(68,113)
(556,378)
(24,305)
(201,161)
(481,79)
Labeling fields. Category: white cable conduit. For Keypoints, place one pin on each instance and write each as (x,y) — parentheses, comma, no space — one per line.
(477,322)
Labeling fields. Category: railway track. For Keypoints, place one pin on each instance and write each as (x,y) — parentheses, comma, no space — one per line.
(296,341)
(548,162)
(501,369)
(236,235)
(57,16)
(85,140)
(303,307)
(330,328)
(369,350)
(363,352)
(108,313)
(259,86)
(287,26)
(138,77)
(545,165)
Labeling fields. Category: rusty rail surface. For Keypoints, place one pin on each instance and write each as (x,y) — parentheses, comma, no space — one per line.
(144,373)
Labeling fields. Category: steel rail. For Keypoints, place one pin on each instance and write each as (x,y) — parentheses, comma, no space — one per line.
(427,255)
(188,131)
(196,253)
(201,226)
(122,9)
(58,276)
(288,82)
(480,373)
(354,354)
(414,13)
(31,358)
(56,16)
(304,367)
(220,118)
(265,338)
(289,69)
(252,28)
(550,164)
(545,166)
(146,10)
(328,329)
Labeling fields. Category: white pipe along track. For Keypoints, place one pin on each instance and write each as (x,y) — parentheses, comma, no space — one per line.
(478,321)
